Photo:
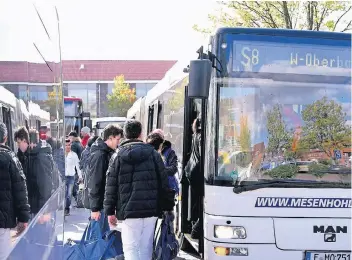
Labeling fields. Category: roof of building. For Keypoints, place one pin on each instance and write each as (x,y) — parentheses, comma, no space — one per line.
(84,70)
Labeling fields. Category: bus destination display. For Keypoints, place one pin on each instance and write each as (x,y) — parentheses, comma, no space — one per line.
(290,58)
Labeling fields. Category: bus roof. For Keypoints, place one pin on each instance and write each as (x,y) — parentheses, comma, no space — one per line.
(172,76)
(7,97)
(285,32)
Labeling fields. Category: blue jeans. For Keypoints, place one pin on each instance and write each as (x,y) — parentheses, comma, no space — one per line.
(69,180)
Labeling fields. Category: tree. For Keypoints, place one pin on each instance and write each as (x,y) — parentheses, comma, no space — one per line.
(308,15)
(325,126)
(278,135)
(121,98)
(244,135)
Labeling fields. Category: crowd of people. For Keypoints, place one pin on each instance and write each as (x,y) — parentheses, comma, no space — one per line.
(125,179)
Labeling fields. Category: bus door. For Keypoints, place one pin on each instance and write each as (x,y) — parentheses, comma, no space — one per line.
(192,110)
(154,116)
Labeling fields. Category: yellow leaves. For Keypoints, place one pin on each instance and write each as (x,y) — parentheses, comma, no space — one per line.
(122,96)
(244,135)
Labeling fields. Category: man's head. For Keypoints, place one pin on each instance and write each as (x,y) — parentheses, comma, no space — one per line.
(21,137)
(112,136)
(68,146)
(160,132)
(133,129)
(72,135)
(3,133)
(156,140)
(85,131)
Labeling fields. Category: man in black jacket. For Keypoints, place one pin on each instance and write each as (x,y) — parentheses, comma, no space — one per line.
(134,181)
(37,162)
(14,207)
(100,154)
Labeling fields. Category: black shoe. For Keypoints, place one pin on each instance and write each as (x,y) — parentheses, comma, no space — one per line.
(67,212)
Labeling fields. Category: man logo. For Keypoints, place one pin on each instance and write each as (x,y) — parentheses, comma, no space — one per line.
(329,237)
(329,232)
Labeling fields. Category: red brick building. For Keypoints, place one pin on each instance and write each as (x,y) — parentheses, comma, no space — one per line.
(90,80)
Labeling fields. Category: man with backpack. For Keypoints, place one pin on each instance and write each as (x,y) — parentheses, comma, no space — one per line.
(136,191)
(14,207)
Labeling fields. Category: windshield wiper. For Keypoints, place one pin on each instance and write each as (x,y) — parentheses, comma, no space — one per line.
(260,184)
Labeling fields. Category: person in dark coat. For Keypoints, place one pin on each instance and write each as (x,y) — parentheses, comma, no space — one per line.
(134,184)
(59,161)
(14,207)
(194,176)
(100,154)
(83,163)
(168,155)
(37,162)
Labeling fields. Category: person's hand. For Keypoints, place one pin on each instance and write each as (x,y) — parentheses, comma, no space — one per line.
(95,215)
(21,227)
(112,220)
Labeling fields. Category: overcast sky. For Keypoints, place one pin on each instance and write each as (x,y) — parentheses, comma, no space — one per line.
(153,29)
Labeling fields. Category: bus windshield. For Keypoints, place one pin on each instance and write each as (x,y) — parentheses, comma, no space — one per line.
(284,110)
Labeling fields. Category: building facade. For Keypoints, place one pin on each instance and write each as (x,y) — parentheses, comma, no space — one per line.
(86,79)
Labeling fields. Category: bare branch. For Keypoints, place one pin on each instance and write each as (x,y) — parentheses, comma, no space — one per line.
(323,15)
(338,20)
(270,16)
(275,7)
(348,27)
(260,15)
(286,15)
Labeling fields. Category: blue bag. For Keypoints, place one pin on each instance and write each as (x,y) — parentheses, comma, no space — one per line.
(173,183)
(166,246)
(94,245)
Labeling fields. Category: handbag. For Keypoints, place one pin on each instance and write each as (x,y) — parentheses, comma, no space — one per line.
(94,245)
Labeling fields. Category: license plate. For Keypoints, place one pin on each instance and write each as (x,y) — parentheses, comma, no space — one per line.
(327,256)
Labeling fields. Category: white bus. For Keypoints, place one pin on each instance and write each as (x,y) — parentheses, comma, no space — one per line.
(257,93)
(101,122)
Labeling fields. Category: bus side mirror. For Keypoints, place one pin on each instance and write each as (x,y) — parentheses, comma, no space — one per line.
(88,123)
(199,78)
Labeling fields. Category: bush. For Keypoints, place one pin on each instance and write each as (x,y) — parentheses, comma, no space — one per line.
(326,161)
(287,171)
(318,169)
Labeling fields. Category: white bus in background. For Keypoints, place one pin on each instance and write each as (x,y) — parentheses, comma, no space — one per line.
(100,123)
(37,116)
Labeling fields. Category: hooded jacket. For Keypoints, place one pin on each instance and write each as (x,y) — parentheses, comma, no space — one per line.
(135,176)
(13,191)
(38,166)
(170,158)
(99,158)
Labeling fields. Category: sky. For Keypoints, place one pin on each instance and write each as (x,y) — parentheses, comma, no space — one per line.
(153,29)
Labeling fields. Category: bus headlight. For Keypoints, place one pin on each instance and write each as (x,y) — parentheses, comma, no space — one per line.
(230,232)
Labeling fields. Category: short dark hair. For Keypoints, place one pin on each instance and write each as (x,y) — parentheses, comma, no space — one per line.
(73,133)
(155,140)
(92,140)
(112,130)
(22,134)
(132,129)
(3,132)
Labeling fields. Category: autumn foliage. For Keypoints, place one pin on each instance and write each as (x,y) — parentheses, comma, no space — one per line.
(121,98)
